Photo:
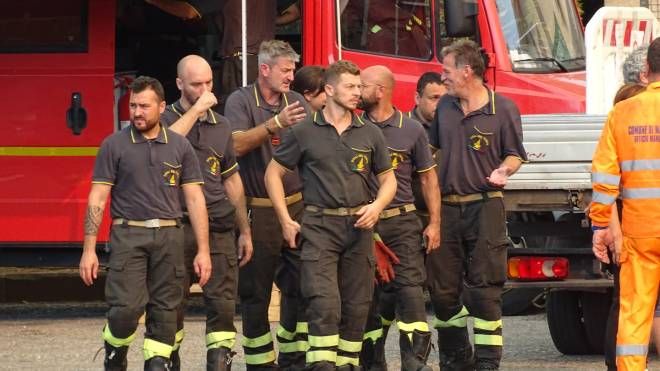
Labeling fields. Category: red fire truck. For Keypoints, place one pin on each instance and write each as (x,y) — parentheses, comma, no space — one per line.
(59,66)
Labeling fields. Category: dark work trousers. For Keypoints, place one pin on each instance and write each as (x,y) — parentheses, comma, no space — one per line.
(145,269)
(472,254)
(403,235)
(272,261)
(337,275)
(219,292)
(404,296)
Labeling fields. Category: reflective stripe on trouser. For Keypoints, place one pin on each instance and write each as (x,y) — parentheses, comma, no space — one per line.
(153,348)
(487,333)
(146,270)
(219,292)
(639,275)
(271,262)
(178,339)
(293,341)
(116,342)
(258,350)
(337,306)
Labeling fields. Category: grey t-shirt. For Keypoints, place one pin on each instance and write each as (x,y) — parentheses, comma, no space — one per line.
(335,168)
(213,145)
(474,145)
(246,109)
(408,146)
(146,174)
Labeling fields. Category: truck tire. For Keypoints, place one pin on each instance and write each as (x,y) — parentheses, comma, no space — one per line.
(518,301)
(564,315)
(595,310)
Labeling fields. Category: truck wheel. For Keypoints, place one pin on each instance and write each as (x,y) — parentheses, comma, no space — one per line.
(595,309)
(565,322)
(518,301)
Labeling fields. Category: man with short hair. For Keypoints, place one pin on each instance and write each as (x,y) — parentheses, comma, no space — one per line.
(258,114)
(144,167)
(480,135)
(427,95)
(399,227)
(626,163)
(210,135)
(336,152)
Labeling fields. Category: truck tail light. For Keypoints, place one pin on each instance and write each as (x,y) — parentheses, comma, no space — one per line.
(530,268)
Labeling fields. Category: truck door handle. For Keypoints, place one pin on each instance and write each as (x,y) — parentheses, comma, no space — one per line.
(76,116)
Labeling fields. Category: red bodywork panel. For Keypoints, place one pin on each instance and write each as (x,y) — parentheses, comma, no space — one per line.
(533,93)
(46,170)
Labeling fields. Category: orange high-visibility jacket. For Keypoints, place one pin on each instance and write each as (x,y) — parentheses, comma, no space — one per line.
(627,161)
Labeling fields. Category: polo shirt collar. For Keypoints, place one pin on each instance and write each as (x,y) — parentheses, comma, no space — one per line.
(414,115)
(178,109)
(488,108)
(320,120)
(653,85)
(261,102)
(396,120)
(137,137)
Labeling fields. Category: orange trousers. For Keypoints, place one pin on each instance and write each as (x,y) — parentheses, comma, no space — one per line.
(639,277)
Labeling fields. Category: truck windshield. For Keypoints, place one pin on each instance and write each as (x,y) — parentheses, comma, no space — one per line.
(542,35)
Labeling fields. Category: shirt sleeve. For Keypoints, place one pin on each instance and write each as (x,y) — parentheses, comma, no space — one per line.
(105,166)
(228,163)
(512,135)
(238,113)
(605,176)
(288,153)
(381,155)
(191,172)
(168,117)
(422,157)
(434,130)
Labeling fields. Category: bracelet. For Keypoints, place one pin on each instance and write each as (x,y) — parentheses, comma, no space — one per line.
(277,122)
(597,228)
(270,132)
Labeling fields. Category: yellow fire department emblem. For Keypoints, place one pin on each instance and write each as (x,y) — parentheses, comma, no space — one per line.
(478,142)
(359,163)
(171,176)
(213,165)
(396,158)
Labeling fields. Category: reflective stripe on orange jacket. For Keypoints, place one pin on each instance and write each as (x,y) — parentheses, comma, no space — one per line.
(627,161)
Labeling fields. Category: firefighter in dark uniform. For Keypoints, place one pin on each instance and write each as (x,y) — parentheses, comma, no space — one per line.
(258,113)
(480,135)
(336,152)
(210,135)
(142,167)
(399,227)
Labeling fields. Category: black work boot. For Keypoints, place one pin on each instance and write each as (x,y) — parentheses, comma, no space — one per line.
(115,358)
(457,359)
(157,363)
(219,359)
(486,364)
(175,361)
(415,352)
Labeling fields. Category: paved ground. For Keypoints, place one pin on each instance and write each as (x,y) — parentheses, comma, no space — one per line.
(65,337)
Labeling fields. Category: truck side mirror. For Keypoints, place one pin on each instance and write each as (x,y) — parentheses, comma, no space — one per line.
(461,18)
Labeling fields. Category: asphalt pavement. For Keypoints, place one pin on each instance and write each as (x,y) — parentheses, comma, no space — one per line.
(66,336)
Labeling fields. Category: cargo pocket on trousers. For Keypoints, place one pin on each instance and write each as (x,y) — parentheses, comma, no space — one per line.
(497,252)
(309,267)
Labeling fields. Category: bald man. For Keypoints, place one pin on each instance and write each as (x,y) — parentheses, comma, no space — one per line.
(400,228)
(210,135)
